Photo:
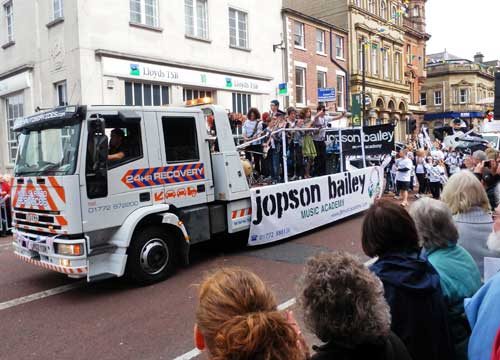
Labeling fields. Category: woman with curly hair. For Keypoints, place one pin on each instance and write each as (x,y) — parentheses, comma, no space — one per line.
(238,319)
(411,285)
(344,305)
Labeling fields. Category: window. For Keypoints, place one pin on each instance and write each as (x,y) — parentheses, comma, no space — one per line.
(238,29)
(386,63)
(464,96)
(321,80)
(196,13)
(437,98)
(190,94)
(124,136)
(320,41)
(374,59)
(357,3)
(340,47)
(300,85)
(181,140)
(144,12)
(57,6)
(408,54)
(416,11)
(371,6)
(394,15)
(299,34)
(397,66)
(241,103)
(9,15)
(61,93)
(361,54)
(383,9)
(340,92)
(14,110)
(139,94)
(423,98)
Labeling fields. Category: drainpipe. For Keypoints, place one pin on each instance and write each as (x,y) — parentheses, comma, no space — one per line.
(333,60)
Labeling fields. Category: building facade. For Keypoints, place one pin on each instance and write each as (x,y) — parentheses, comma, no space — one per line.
(137,52)
(316,58)
(456,88)
(415,39)
(376,54)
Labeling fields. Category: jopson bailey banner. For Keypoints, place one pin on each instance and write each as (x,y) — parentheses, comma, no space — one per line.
(378,140)
(285,210)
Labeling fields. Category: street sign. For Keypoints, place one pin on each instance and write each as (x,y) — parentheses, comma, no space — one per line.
(327,94)
(368,100)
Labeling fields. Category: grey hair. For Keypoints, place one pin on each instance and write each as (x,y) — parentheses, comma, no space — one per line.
(343,301)
(434,223)
(480,155)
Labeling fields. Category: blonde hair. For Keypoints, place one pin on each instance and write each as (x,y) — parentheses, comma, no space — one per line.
(463,191)
(238,317)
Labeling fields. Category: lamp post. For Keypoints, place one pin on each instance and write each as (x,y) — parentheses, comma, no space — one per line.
(363,81)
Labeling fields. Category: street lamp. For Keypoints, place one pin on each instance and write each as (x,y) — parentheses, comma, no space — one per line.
(363,81)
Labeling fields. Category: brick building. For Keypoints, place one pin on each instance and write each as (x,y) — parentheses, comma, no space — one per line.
(316,57)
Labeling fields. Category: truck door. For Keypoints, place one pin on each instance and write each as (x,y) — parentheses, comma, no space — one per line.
(125,186)
(186,173)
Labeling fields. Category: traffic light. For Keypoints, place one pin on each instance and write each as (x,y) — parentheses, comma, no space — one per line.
(411,126)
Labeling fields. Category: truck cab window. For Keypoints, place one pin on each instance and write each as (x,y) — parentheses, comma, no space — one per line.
(181,140)
(125,142)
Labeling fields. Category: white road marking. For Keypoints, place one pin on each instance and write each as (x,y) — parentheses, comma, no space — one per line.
(289,303)
(5,246)
(40,295)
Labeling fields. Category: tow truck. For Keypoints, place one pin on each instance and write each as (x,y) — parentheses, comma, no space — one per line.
(79,211)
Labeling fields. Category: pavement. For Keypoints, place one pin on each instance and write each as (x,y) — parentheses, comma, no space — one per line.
(45,315)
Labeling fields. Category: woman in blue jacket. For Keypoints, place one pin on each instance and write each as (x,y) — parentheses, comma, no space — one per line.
(411,285)
(460,277)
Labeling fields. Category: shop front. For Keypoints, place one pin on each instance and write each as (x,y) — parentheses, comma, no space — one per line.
(146,84)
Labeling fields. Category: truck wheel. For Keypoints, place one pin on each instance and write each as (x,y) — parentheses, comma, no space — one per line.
(151,256)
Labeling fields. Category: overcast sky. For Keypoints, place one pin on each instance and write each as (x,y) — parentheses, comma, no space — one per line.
(464,27)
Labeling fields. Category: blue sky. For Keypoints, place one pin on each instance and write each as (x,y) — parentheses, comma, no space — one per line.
(464,27)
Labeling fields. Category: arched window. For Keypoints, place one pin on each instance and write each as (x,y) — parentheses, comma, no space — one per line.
(394,15)
(383,9)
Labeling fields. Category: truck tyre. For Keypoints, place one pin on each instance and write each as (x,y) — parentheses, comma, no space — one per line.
(151,255)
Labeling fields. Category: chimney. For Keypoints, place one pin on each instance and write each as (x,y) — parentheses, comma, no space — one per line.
(478,58)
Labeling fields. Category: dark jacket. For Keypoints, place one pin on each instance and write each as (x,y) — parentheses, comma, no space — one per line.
(419,314)
(390,349)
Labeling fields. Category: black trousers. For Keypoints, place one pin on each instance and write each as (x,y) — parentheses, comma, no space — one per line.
(435,189)
(253,154)
(422,184)
(320,161)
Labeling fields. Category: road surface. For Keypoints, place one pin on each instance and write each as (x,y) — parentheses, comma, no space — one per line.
(45,315)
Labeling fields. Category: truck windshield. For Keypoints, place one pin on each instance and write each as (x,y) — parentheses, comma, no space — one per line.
(48,151)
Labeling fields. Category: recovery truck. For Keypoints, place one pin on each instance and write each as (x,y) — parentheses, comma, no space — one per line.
(80,211)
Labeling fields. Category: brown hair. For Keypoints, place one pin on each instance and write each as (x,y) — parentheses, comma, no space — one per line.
(254,111)
(388,228)
(304,111)
(238,318)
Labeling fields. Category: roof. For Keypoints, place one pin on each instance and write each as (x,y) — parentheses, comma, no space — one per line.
(313,19)
(443,56)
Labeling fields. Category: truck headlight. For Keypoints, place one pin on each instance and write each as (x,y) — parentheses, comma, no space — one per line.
(69,249)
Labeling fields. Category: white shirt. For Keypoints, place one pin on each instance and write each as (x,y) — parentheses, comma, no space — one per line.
(437,154)
(435,173)
(454,163)
(420,165)
(404,164)
(252,128)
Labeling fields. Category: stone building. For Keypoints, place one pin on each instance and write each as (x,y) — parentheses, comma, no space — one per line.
(377,34)
(316,58)
(456,88)
(137,52)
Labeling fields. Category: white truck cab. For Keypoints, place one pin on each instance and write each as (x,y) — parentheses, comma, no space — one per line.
(103,191)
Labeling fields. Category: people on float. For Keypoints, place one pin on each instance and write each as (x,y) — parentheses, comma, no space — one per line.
(411,285)
(403,176)
(237,317)
(468,202)
(252,129)
(319,137)
(298,155)
(309,149)
(343,304)
(459,274)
